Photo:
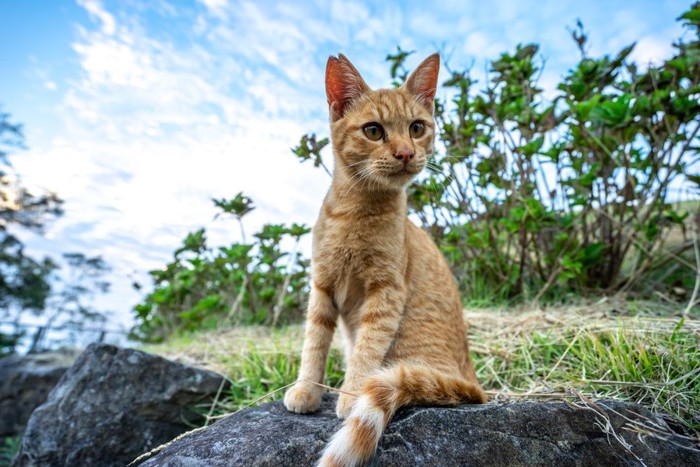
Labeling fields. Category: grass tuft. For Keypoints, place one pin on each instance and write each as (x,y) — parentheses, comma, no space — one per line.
(8,448)
(648,360)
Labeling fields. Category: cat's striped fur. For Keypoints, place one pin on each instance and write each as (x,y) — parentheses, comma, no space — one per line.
(380,274)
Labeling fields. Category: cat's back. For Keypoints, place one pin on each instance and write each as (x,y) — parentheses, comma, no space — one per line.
(427,269)
(432,330)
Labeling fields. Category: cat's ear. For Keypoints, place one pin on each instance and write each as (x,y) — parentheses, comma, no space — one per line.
(343,85)
(423,81)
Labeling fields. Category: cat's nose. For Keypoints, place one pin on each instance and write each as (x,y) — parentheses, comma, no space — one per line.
(404,154)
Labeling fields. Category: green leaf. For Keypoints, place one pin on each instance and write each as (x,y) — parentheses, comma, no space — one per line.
(693,16)
(593,252)
(532,147)
(268,293)
(194,242)
(299,230)
(239,205)
(612,113)
(583,109)
(517,214)
(208,303)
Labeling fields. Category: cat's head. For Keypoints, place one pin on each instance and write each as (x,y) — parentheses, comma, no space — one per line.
(381,138)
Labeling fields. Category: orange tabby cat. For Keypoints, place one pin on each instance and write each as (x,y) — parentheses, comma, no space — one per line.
(383,276)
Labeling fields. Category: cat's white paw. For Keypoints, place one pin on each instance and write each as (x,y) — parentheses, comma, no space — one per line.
(344,405)
(303,397)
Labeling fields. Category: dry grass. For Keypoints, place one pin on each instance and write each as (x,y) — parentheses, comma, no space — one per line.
(220,350)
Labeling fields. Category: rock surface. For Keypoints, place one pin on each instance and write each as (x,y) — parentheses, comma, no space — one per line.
(25,382)
(525,433)
(111,406)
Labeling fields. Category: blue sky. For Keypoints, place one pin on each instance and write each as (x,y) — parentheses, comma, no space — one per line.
(138,113)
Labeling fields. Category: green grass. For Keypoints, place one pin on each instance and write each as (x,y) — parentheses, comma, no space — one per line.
(258,362)
(8,449)
(595,350)
(257,374)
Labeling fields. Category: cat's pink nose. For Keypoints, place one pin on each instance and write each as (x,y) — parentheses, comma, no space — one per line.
(405,154)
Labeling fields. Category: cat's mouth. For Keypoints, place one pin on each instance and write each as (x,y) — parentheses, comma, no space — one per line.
(405,172)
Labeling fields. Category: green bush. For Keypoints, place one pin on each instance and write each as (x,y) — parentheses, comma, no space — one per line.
(243,283)
(571,192)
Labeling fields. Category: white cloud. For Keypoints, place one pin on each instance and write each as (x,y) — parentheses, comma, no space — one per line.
(651,50)
(154,131)
(214,5)
(95,8)
(479,44)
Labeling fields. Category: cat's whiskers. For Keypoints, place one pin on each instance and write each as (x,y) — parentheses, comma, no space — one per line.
(370,176)
(434,168)
(360,176)
(438,169)
(356,163)
(431,164)
(355,179)
(352,174)
(348,183)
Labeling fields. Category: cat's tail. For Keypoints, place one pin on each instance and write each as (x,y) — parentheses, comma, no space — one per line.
(355,443)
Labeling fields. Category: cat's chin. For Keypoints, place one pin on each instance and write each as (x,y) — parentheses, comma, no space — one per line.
(402,173)
(400,179)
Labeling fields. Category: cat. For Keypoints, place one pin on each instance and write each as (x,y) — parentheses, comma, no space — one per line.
(384,277)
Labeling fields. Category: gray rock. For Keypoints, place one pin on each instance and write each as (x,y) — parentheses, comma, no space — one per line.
(111,406)
(525,433)
(25,382)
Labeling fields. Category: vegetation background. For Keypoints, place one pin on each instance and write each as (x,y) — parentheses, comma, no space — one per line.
(570,223)
(588,194)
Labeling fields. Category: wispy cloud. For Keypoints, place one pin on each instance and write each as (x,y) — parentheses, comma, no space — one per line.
(95,9)
(154,129)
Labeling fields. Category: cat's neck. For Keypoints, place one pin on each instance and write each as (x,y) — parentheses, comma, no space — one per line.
(348,195)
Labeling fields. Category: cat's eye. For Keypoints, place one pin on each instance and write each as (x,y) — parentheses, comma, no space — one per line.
(373,131)
(416,129)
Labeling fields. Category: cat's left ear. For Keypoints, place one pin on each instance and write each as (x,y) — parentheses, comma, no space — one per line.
(423,81)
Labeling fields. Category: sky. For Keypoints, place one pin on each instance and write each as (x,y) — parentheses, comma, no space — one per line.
(139,113)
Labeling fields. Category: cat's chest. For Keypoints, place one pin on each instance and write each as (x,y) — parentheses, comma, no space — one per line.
(342,249)
(347,255)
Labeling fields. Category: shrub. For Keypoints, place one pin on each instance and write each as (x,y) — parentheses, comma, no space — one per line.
(243,283)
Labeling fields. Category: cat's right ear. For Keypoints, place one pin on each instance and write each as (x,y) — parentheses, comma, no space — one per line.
(343,85)
(423,81)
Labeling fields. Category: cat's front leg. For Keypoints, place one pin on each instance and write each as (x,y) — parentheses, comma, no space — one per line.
(321,318)
(380,318)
